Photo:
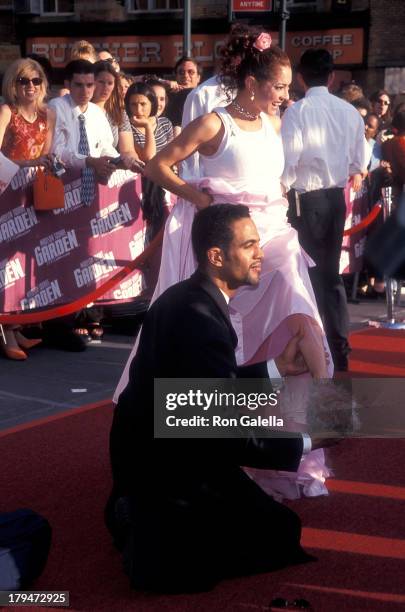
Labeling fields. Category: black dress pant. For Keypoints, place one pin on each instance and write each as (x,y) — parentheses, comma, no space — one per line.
(319,219)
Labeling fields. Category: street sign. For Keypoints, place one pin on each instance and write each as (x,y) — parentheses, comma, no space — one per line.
(251,6)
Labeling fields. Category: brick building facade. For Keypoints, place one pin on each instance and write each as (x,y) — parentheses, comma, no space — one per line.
(365,36)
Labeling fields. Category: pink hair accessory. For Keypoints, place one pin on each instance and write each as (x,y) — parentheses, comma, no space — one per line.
(262,42)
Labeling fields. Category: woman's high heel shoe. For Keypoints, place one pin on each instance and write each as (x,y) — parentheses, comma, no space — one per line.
(9,346)
(12,352)
(26,343)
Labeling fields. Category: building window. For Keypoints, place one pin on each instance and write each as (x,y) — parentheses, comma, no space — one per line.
(57,7)
(144,6)
(300,6)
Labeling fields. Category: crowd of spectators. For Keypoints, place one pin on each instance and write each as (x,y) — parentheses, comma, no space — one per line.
(134,117)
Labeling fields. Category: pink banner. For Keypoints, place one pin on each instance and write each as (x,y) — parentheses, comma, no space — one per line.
(357,208)
(49,258)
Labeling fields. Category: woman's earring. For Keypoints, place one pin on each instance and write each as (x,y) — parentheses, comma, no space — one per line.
(252,95)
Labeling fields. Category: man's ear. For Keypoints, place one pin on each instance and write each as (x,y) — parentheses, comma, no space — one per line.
(331,79)
(215,257)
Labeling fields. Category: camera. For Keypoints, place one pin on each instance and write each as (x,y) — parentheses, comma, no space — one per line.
(58,168)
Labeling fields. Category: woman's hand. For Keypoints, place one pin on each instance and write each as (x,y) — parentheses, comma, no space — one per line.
(204,200)
(142,122)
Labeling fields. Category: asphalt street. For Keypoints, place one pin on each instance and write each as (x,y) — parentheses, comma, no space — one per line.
(52,381)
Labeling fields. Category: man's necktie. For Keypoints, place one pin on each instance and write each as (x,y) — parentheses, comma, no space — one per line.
(88,179)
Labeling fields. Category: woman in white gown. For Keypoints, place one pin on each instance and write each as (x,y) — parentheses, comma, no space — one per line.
(241,160)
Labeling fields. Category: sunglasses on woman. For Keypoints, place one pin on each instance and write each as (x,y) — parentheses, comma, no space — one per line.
(24,81)
(384,102)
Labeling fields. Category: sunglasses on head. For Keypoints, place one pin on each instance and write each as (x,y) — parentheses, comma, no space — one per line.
(111,60)
(25,81)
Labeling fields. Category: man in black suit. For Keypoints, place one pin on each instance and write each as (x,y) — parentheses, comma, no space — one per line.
(194,515)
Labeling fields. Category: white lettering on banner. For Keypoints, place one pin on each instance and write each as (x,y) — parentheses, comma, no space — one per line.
(17,222)
(119,177)
(24,177)
(110,218)
(73,198)
(45,294)
(55,246)
(197,52)
(10,272)
(359,247)
(130,288)
(131,53)
(325,39)
(136,244)
(151,52)
(94,268)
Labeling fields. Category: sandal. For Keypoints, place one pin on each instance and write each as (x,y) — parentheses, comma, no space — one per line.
(83,333)
(96,331)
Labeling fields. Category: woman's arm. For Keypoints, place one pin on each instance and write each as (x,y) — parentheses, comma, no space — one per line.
(148,151)
(203,134)
(50,120)
(5,116)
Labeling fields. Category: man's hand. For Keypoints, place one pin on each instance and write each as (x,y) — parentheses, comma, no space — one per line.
(357,180)
(101,166)
(291,361)
(132,163)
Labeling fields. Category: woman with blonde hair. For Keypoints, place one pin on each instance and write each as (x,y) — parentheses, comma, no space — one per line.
(26,131)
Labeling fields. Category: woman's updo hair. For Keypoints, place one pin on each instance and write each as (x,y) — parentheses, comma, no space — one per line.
(240,59)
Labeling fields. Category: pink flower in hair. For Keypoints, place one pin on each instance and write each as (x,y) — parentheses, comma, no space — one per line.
(262,42)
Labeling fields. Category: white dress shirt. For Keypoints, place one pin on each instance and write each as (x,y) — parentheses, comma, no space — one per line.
(200,101)
(272,369)
(67,132)
(324,142)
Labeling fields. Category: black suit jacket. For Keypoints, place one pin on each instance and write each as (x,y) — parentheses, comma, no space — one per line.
(177,485)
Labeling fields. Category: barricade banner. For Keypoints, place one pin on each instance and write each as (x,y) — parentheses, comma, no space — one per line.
(357,208)
(50,258)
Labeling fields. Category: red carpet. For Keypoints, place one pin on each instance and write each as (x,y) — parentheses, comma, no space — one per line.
(60,469)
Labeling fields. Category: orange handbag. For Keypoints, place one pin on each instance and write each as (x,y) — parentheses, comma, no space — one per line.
(49,191)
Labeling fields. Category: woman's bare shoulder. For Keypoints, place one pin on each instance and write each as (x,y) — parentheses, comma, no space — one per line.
(206,126)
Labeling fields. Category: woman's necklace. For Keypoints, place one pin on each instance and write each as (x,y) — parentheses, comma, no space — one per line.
(29,119)
(243,112)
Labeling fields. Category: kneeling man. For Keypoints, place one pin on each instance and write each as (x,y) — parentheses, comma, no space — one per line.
(193,515)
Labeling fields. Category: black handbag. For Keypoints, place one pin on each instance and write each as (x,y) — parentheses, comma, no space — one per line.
(25,540)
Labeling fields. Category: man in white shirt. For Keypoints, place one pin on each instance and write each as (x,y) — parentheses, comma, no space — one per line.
(83,137)
(200,101)
(324,145)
